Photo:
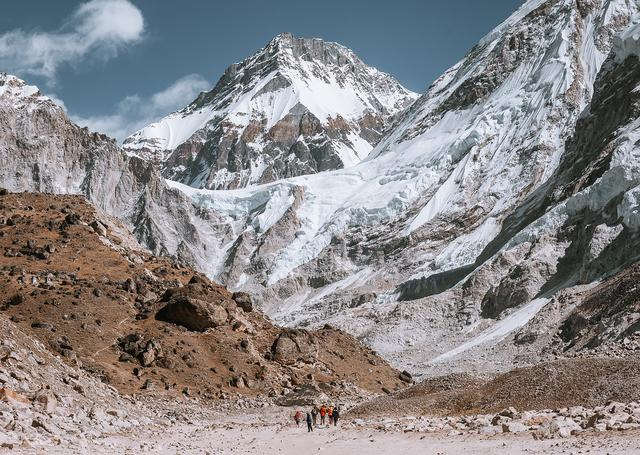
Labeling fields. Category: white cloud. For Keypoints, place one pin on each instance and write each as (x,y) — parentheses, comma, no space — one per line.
(135,112)
(97,29)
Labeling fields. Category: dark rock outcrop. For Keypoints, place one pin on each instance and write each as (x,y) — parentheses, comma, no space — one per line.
(194,314)
(244,301)
(294,346)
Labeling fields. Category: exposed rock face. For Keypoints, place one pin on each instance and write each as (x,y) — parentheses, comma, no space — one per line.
(44,151)
(608,314)
(243,300)
(193,314)
(294,346)
(298,106)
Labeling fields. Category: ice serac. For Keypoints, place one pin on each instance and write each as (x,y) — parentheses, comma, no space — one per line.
(298,106)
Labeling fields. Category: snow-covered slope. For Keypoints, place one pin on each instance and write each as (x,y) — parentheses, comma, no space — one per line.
(298,106)
(458,216)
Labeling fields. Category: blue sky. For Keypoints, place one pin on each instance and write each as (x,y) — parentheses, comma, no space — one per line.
(118,64)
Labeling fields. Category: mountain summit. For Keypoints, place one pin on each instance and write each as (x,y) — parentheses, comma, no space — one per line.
(298,106)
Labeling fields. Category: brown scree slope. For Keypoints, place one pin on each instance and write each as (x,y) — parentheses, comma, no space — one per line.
(73,278)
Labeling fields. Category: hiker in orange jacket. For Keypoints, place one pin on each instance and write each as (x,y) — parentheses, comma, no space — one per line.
(323,412)
(297,417)
(330,414)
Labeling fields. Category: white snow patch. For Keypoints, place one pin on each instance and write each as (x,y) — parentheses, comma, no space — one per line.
(329,91)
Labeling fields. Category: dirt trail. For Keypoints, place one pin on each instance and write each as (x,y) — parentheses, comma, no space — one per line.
(250,434)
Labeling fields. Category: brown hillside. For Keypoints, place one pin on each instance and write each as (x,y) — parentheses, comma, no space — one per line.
(73,279)
(586,382)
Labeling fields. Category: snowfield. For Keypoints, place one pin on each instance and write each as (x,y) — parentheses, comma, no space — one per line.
(499,330)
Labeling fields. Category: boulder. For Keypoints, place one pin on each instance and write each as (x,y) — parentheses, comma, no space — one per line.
(16,299)
(246,345)
(563,427)
(12,397)
(151,352)
(47,400)
(525,337)
(405,376)
(306,395)
(614,407)
(237,381)
(98,415)
(197,279)
(119,413)
(98,228)
(194,314)
(479,422)
(72,218)
(42,325)
(577,412)
(510,412)
(147,358)
(362,299)
(293,346)
(499,420)
(126,357)
(513,427)
(241,324)
(613,421)
(130,286)
(243,300)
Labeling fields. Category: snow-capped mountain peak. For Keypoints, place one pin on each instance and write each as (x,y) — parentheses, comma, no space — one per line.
(18,91)
(298,106)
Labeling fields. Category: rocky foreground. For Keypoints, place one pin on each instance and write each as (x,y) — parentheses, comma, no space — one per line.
(544,424)
(188,428)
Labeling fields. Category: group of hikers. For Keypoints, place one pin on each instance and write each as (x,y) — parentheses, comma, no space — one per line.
(326,413)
